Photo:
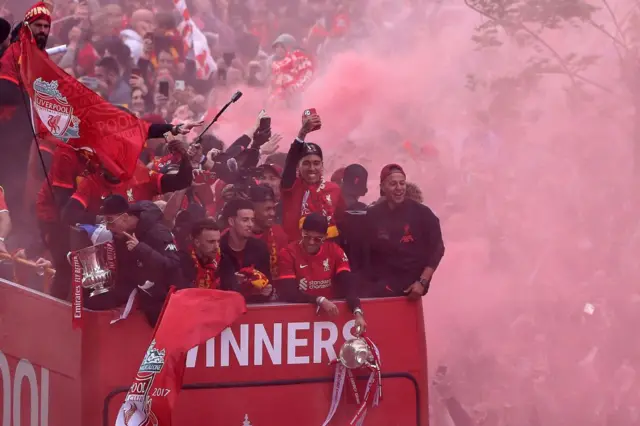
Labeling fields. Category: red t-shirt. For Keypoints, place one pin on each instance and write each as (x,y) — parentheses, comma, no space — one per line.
(3,203)
(276,240)
(67,168)
(145,185)
(303,199)
(314,273)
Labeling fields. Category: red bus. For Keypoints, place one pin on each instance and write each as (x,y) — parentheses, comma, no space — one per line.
(270,368)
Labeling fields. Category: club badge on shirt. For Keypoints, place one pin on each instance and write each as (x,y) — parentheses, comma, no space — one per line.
(325,264)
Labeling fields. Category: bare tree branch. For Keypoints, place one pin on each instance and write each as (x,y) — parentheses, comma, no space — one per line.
(526,29)
(608,34)
(616,23)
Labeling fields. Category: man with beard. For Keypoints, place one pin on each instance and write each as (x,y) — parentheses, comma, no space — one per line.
(244,266)
(146,255)
(309,192)
(200,261)
(405,240)
(15,124)
(264,226)
(314,270)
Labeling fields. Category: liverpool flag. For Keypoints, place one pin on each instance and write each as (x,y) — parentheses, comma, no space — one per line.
(78,116)
(189,318)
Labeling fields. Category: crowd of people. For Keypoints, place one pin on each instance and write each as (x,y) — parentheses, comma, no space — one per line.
(242,218)
(247,216)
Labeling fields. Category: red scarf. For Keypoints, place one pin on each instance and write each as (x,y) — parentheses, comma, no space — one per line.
(206,274)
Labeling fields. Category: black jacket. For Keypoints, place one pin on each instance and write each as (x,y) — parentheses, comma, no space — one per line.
(154,259)
(402,242)
(256,254)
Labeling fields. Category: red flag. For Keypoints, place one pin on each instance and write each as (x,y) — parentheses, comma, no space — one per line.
(190,317)
(77,115)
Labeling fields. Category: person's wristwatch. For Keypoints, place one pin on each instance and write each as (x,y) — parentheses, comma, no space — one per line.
(357,311)
(423,282)
(320,299)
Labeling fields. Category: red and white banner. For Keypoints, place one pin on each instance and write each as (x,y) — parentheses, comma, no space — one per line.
(196,42)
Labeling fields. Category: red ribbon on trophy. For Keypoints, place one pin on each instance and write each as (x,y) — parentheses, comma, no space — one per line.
(93,268)
(358,353)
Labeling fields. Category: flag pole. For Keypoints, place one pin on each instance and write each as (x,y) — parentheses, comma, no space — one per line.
(172,290)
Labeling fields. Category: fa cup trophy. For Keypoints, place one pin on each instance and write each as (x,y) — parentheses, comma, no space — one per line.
(94,268)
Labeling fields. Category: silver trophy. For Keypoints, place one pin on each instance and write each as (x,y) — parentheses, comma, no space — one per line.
(356,353)
(97,266)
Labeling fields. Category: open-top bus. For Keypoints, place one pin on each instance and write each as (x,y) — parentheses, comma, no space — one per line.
(271,368)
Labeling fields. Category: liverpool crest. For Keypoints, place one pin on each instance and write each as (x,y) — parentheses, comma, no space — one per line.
(54,110)
(153,360)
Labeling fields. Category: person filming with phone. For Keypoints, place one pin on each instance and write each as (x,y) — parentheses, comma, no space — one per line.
(314,270)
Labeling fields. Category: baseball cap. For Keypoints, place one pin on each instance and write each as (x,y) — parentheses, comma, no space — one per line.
(114,204)
(274,168)
(389,169)
(355,179)
(315,222)
(311,148)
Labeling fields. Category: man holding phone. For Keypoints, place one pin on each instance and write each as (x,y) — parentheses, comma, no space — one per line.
(309,192)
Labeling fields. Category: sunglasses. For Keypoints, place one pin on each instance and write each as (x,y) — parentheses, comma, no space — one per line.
(311,239)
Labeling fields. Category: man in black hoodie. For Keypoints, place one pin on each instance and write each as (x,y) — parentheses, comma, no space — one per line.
(146,254)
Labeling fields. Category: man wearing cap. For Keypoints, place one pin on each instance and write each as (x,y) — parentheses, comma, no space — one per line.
(309,192)
(15,121)
(264,227)
(314,270)
(352,231)
(146,254)
(405,240)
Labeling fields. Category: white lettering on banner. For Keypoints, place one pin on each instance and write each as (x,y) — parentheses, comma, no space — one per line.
(293,343)
(321,335)
(262,339)
(241,351)
(12,401)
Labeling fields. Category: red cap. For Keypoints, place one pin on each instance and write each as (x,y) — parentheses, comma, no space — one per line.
(389,169)
(38,11)
(274,168)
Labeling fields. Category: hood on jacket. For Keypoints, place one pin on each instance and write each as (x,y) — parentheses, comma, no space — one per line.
(148,213)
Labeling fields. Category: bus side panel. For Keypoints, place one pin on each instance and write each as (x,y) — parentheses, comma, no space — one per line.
(289,345)
(39,359)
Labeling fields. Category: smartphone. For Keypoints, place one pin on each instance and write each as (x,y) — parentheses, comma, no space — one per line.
(136,71)
(180,85)
(163,88)
(309,112)
(265,124)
